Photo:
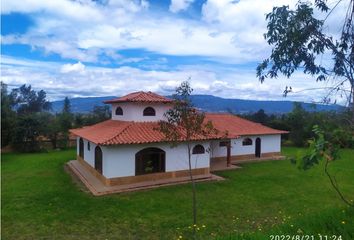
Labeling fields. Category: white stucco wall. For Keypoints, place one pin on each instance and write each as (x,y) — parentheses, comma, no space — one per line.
(119,161)
(134,111)
(89,155)
(269,143)
(216,150)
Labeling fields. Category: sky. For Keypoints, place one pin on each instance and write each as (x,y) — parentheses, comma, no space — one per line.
(83,48)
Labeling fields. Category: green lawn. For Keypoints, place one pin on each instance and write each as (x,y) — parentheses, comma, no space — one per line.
(40,201)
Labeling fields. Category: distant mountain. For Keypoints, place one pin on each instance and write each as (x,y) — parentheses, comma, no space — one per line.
(208,103)
(81,105)
(217,104)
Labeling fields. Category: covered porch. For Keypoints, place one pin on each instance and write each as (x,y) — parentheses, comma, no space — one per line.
(97,184)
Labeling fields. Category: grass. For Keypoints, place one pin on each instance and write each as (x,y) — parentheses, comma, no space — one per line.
(40,201)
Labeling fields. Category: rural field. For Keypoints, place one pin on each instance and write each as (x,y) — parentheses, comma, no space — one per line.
(40,200)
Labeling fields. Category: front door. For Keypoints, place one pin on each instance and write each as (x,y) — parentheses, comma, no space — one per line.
(258,147)
(98,159)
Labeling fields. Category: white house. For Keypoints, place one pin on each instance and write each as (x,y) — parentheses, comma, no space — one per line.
(129,149)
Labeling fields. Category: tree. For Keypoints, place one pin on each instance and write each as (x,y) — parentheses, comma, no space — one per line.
(66,105)
(8,116)
(64,122)
(31,123)
(98,114)
(27,131)
(297,122)
(27,101)
(260,116)
(298,39)
(101,112)
(322,150)
(184,123)
(52,130)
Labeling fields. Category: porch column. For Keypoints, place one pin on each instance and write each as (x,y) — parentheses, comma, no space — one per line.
(228,155)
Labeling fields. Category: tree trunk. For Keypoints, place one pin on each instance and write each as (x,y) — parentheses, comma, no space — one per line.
(54,141)
(334,183)
(228,156)
(352,92)
(193,189)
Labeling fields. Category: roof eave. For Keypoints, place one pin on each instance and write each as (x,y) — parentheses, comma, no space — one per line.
(126,101)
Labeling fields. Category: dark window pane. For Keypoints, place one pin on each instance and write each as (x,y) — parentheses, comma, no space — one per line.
(198,149)
(224,143)
(247,141)
(149,111)
(119,111)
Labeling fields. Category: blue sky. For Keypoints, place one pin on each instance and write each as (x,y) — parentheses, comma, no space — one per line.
(81,48)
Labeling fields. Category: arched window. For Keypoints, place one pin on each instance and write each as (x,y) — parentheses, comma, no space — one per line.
(119,111)
(81,148)
(247,142)
(98,159)
(198,149)
(88,146)
(149,160)
(149,111)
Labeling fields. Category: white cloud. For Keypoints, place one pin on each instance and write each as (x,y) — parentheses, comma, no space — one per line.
(179,5)
(76,67)
(82,30)
(79,80)
(79,10)
(123,24)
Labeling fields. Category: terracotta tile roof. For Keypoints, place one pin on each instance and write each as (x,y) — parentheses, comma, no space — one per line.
(148,97)
(236,126)
(112,132)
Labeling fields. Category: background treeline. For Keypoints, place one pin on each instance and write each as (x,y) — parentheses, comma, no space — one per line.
(336,125)
(27,123)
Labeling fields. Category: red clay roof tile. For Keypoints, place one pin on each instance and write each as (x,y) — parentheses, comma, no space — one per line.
(113,132)
(149,97)
(235,125)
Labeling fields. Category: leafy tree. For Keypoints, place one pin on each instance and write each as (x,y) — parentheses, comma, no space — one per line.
(98,114)
(64,121)
(260,116)
(27,132)
(101,112)
(184,123)
(8,116)
(322,150)
(79,120)
(297,121)
(298,39)
(52,130)
(31,123)
(26,100)
(66,106)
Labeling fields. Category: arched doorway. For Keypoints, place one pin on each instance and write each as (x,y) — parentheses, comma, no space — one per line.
(258,147)
(150,160)
(81,148)
(98,159)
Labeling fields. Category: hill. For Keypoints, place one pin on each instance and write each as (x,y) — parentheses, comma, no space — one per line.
(208,103)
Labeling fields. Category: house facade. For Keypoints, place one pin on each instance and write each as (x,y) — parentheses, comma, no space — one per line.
(129,148)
